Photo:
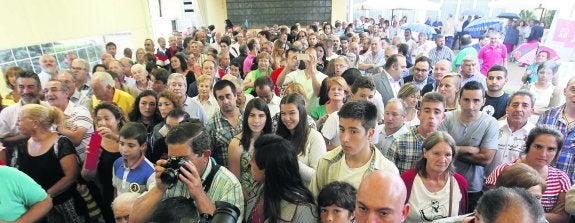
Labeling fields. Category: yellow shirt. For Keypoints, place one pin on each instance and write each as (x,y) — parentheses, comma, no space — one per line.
(124,100)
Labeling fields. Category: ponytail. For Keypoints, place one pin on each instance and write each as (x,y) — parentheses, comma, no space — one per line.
(45,115)
(55,116)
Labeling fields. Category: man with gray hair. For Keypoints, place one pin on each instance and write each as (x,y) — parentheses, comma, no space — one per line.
(373,58)
(469,71)
(173,47)
(394,124)
(177,84)
(122,206)
(103,86)
(80,69)
(78,125)
(49,67)
(513,130)
(120,67)
(66,77)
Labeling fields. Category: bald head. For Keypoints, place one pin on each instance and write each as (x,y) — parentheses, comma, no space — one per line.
(381,191)
(106,58)
(441,68)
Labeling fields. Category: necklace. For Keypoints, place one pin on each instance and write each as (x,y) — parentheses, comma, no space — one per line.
(570,121)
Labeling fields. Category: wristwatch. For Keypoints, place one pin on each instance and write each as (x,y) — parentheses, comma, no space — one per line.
(206,216)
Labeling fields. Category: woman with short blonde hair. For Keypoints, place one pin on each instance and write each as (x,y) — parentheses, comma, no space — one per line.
(410,95)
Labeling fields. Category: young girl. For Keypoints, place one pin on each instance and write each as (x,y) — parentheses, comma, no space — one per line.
(309,144)
(257,121)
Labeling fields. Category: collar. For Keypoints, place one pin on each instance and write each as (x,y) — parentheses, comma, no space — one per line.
(136,164)
(389,77)
(400,131)
(84,86)
(188,101)
(116,96)
(276,100)
(422,82)
(69,107)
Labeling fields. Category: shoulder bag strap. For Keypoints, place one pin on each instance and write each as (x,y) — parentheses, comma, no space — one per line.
(208,182)
(450,195)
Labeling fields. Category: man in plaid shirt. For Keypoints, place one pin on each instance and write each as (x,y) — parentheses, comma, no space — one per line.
(563,119)
(406,149)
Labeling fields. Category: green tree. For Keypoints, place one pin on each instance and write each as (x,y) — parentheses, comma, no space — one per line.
(548,18)
(527,15)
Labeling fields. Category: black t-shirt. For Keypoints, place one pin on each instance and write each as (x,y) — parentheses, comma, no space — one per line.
(495,106)
(46,170)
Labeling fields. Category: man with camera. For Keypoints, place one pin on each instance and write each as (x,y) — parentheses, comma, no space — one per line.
(190,173)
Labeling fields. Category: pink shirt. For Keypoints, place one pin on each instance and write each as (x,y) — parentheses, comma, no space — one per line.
(248,63)
(491,55)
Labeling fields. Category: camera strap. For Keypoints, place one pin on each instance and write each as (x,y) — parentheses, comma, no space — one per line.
(208,182)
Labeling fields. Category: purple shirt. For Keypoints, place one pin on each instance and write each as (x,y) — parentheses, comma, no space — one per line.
(491,55)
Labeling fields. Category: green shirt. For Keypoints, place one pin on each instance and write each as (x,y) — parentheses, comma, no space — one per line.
(318,112)
(19,192)
(255,74)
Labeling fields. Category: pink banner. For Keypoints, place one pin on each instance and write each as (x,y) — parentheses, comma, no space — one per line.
(565,32)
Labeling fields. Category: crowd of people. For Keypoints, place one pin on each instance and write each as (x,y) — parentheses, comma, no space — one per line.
(358,122)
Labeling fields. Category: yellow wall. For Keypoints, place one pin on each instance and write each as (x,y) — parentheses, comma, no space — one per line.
(216,13)
(339,10)
(29,22)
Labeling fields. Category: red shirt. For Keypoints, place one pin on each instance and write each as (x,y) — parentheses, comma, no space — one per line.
(274,76)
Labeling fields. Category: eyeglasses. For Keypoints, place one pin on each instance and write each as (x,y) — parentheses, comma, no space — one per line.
(50,90)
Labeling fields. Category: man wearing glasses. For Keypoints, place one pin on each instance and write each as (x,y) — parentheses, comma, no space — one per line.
(420,73)
(78,125)
(80,69)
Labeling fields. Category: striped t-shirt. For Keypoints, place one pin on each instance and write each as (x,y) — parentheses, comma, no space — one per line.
(557,182)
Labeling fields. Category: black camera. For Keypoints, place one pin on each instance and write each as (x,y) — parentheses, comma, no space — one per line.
(170,175)
(225,213)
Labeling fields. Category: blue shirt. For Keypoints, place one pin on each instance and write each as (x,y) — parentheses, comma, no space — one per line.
(137,178)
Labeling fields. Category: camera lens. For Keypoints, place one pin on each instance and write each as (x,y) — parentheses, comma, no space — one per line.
(170,176)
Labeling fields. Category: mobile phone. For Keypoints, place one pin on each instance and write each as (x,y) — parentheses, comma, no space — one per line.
(164,131)
(302,56)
